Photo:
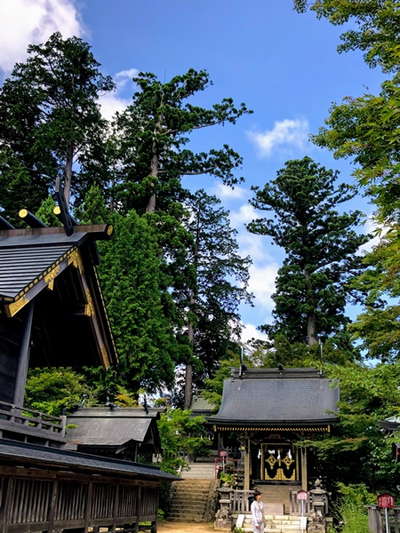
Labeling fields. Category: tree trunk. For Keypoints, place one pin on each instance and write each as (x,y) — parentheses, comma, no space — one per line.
(151,204)
(192,303)
(68,173)
(311,318)
(188,386)
(155,161)
(311,330)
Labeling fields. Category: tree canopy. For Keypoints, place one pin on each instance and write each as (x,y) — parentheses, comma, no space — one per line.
(320,244)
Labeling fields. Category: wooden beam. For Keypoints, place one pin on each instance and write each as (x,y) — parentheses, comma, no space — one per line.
(304,473)
(262,462)
(23,360)
(246,481)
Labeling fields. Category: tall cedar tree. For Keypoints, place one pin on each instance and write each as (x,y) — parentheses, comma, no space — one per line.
(129,272)
(220,277)
(49,119)
(152,134)
(312,286)
(151,138)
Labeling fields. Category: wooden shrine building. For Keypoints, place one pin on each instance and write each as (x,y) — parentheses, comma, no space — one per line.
(265,411)
(52,314)
(122,432)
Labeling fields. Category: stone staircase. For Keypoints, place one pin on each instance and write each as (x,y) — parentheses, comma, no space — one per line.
(199,471)
(192,499)
(274,524)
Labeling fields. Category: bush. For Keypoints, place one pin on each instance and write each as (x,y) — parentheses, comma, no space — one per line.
(351,509)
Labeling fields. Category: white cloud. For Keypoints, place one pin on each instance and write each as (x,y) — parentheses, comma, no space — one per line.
(243,215)
(254,246)
(24,22)
(124,76)
(112,102)
(287,133)
(249,331)
(376,229)
(262,284)
(227,193)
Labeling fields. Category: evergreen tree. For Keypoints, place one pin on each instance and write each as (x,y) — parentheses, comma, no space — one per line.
(49,118)
(152,134)
(312,286)
(130,273)
(220,276)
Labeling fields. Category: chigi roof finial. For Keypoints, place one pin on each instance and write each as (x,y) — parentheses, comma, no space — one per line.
(61,210)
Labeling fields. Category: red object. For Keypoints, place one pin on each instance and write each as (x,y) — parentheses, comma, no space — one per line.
(386,501)
(302,495)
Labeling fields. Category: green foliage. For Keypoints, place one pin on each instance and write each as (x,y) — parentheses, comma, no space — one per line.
(212,390)
(378,326)
(45,212)
(375,27)
(351,508)
(182,436)
(130,278)
(220,278)
(49,119)
(366,129)
(55,390)
(337,349)
(312,287)
(358,452)
(152,134)
(353,517)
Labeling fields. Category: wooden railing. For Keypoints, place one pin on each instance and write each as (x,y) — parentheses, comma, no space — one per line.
(54,505)
(30,419)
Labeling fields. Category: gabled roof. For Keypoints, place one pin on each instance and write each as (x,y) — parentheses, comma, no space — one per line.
(33,260)
(101,426)
(29,256)
(41,456)
(272,398)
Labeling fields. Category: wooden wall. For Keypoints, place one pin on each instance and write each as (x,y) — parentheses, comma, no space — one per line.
(35,500)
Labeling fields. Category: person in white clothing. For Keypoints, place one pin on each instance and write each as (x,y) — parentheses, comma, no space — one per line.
(257,513)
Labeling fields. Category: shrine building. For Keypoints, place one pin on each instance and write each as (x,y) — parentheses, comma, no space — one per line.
(264,411)
(52,314)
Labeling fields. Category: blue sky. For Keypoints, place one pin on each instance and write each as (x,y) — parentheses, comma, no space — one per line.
(283,65)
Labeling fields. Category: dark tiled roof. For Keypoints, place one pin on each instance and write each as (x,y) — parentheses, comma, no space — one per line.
(23,265)
(267,396)
(21,453)
(109,427)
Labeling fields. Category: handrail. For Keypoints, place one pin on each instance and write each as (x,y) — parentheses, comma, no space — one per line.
(32,418)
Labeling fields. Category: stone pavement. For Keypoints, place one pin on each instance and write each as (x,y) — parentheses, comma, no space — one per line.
(184,527)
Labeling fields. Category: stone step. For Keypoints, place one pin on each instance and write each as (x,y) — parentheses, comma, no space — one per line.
(188,505)
(188,516)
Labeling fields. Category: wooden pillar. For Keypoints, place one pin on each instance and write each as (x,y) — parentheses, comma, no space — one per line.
(262,463)
(298,465)
(137,510)
(7,503)
(52,506)
(88,510)
(23,361)
(304,473)
(246,481)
